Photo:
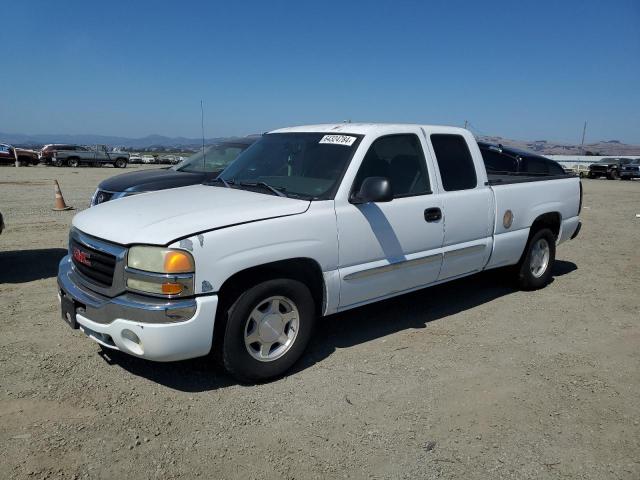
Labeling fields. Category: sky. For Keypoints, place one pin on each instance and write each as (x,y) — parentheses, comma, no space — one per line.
(523,70)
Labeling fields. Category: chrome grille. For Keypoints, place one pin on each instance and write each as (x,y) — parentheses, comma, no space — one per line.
(99,264)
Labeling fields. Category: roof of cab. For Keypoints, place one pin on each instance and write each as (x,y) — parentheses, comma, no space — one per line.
(367,128)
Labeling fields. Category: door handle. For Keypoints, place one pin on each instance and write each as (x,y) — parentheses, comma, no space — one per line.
(432,214)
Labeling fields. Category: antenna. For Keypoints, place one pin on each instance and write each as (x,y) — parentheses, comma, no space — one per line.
(204,155)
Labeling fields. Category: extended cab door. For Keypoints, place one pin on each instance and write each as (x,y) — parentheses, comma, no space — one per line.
(390,247)
(468,203)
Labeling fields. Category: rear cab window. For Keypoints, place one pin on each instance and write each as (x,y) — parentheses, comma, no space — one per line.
(457,170)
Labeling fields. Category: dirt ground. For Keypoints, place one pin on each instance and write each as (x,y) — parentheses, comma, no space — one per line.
(469,380)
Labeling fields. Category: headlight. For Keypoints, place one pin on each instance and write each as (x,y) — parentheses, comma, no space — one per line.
(160,260)
(160,271)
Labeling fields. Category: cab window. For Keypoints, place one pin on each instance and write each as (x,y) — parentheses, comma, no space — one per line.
(400,159)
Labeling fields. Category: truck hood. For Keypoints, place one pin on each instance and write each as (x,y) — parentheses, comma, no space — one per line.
(158,218)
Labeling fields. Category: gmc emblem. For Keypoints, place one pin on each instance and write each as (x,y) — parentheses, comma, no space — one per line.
(81,257)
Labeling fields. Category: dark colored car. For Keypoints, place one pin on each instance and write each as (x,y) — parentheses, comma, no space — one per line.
(48,151)
(630,170)
(8,155)
(198,168)
(608,167)
(501,159)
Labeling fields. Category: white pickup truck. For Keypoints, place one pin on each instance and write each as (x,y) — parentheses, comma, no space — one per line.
(307,222)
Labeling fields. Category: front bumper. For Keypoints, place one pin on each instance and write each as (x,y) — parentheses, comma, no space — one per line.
(155,329)
(630,173)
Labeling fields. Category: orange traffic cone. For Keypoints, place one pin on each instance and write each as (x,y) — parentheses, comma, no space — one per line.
(59,204)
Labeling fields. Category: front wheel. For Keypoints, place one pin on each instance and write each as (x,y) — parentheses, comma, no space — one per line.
(614,175)
(268,329)
(120,163)
(534,269)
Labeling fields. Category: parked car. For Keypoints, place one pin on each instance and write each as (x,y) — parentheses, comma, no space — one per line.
(630,170)
(308,221)
(6,154)
(149,159)
(48,151)
(501,159)
(608,167)
(196,169)
(25,156)
(135,158)
(97,155)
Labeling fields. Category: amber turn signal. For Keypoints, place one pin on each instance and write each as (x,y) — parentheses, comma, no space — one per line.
(178,262)
(171,288)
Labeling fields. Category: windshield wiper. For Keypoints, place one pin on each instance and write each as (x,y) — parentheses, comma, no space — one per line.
(222,180)
(277,191)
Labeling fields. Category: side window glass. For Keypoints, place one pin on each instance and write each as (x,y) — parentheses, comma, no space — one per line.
(533,165)
(454,161)
(400,159)
(499,162)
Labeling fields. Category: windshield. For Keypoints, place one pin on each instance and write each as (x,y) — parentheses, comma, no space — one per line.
(215,158)
(308,165)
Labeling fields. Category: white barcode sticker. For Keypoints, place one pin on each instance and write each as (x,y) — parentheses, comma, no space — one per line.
(346,140)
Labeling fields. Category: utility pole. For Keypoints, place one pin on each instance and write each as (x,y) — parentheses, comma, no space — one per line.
(584,131)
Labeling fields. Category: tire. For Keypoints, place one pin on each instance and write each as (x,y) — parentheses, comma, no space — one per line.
(120,163)
(280,308)
(57,162)
(73,163)
(613,175)
(533,271)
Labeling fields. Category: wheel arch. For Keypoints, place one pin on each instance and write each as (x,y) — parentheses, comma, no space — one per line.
(550,220)
(305,270)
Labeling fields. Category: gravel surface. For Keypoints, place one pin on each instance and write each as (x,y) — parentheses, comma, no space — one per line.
(469,380)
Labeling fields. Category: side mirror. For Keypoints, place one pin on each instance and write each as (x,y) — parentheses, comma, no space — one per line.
(373,189)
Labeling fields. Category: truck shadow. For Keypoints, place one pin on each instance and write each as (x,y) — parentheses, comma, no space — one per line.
(21,266)
(344,330)
(410,311)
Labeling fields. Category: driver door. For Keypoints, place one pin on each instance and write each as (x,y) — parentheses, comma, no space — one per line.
(390,247)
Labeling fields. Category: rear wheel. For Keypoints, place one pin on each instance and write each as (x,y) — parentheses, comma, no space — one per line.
(534,269)
(268,329)
(73,162)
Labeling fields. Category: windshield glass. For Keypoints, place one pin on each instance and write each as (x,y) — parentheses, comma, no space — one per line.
(308,165)
(215,158)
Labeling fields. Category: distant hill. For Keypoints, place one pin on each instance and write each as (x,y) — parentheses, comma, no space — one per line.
(88,139)
(610,147)
(544,147)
